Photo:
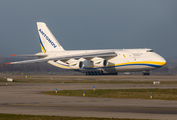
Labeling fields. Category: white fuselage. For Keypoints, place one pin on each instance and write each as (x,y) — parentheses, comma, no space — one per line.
(127,60)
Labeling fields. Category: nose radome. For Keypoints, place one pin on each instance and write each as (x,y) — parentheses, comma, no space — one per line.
(162,60)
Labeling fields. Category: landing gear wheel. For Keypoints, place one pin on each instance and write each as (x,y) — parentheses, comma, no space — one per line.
(146,73)
(95,73)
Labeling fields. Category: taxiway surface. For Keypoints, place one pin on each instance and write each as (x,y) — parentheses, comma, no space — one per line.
(27,98)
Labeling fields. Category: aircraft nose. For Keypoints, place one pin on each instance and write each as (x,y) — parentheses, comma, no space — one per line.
(162,60)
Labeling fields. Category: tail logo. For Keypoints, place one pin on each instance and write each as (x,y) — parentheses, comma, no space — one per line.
(47,38)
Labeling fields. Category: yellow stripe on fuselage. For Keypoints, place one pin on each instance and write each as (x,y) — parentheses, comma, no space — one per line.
(61,65)
(141,62)
(137,62)
(128,63)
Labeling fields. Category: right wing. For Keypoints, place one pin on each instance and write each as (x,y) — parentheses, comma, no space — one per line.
(87,56)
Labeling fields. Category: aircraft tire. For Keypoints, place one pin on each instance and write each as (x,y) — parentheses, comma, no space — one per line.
(95,73)
(146,73)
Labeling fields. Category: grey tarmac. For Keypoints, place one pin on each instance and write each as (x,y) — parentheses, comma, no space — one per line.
(27,98)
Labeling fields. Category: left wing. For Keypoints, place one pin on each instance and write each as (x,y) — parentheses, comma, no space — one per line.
(103,54)
(32,55)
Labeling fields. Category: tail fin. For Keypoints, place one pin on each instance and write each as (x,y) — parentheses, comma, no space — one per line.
(47,40)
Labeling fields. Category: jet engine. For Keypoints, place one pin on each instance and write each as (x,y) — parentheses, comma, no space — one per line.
(100,62)
(76,64)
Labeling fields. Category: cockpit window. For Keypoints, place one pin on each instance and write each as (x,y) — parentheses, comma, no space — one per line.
(149,51)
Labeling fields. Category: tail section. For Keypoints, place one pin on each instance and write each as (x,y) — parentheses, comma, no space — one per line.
(47,40)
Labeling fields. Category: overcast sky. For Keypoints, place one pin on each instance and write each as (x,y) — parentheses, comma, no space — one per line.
(90,24)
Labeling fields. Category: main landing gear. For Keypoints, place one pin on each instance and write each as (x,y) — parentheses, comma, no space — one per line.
(146,73)
(99,73)
(94,73)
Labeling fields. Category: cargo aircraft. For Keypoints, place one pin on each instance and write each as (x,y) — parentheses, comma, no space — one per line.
(93,62)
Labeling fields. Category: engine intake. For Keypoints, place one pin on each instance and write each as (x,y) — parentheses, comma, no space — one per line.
(100,62)
(76,64)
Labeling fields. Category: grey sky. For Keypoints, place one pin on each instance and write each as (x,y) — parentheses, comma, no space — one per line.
(90,24)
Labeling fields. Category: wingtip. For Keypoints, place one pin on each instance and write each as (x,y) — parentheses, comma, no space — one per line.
(13,55)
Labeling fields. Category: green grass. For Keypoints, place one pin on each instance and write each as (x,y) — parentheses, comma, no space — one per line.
(161,94)
(45,117)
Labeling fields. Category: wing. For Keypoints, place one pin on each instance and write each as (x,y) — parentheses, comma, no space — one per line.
(108,54)
(32,55)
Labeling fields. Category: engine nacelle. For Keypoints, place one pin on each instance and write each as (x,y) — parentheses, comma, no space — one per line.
(76,64)
(100,62)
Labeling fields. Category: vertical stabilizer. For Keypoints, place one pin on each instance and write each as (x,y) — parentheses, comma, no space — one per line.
(47,40)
